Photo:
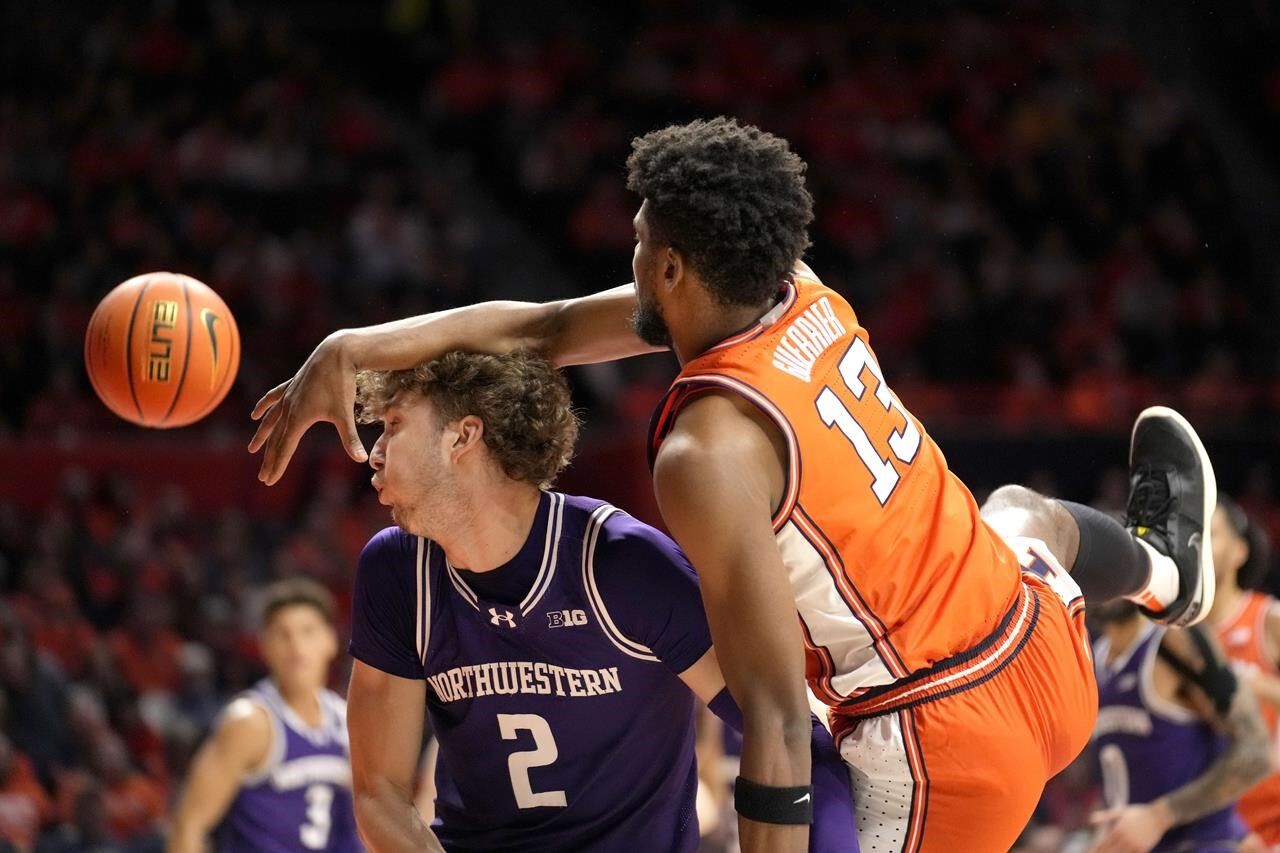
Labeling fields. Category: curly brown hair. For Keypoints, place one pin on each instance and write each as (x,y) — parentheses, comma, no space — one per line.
(731,197)
(529,424)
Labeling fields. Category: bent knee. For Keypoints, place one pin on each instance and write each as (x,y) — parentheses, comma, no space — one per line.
(1014,497)
(1015,511)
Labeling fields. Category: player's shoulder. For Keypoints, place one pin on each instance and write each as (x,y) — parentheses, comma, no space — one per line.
(390,547)
(622,531)
(715,428)
(1269,606)
(629,546)
(245,724)
(613,533)
(1265,600)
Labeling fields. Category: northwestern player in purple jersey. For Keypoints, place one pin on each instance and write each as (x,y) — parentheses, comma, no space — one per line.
(1179,739)
(274,777)
(556,642)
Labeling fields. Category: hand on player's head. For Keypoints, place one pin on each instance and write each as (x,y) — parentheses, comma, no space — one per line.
(323,389)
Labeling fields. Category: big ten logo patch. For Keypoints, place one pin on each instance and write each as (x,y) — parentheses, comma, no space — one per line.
(566,618)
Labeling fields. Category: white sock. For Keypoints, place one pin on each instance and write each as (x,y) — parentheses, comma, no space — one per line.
(1162,583)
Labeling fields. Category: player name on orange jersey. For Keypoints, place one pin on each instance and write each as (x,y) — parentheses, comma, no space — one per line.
(810,335)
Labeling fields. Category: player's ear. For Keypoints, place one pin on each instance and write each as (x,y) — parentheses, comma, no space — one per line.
(468,433)
(672,267)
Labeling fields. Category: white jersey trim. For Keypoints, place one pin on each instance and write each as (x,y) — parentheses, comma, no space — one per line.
(422,635)
(279,741)
(831,622)
(542,582)
(592,535)
(550,552)
(1157,704)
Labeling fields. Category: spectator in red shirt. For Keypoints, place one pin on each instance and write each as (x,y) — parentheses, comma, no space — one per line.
(146,650)
(133,805)
(24,806)
(51,614)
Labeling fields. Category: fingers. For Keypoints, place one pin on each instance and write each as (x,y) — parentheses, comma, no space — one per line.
(1102,816)
(351,439)
(280,449)
(265,428)
(268,400)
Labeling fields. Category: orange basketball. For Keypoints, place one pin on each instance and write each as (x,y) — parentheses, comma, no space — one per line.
(162,350)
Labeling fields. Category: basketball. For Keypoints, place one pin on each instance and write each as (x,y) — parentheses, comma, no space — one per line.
(162,350)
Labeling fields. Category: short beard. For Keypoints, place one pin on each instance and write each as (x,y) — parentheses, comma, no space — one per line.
(648,324)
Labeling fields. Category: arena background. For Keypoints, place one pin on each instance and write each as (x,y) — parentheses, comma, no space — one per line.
(1048,214)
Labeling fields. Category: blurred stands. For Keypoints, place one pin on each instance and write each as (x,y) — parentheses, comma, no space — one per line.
(1039,235)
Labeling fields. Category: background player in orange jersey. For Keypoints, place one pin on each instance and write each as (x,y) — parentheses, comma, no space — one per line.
(953,656)
(1248,627)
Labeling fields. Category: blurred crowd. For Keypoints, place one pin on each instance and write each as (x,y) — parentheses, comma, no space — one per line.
(128,621)
(1008,200)
(1005,199)
(1020,213)
(197,140)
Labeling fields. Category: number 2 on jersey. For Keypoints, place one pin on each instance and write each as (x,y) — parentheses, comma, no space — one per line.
(544,753)
(903,443)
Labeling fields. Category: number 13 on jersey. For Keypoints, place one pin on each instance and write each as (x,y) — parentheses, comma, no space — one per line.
(903,443)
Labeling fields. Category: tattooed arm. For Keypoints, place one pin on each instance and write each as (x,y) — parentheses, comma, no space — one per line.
(1204,684)
(1246,760)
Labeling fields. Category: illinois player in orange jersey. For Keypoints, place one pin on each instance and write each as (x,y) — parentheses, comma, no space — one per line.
(1248,627)
(948,643)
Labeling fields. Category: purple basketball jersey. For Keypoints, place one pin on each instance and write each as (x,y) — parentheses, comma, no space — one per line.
(300,800)
(1149,746)
(560,727)
(552,685)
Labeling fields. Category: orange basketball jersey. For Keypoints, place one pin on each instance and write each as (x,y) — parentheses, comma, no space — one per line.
(892,568)
(1243,637)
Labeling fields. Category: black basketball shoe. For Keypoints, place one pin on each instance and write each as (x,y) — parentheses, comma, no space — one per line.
(1172,493)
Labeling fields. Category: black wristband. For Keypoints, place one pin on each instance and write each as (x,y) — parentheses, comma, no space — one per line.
(767,804)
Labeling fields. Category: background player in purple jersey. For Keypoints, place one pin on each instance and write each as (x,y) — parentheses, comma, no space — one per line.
(275,777)
(1179,739)
(560,640)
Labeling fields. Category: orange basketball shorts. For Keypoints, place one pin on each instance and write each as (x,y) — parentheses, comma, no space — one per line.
(955,757)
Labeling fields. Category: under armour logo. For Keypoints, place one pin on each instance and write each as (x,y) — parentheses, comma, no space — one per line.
(504,618)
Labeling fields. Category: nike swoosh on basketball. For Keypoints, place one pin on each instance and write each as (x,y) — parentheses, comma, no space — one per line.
(209,318)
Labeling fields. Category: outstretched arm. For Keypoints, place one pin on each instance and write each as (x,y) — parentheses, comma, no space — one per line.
(718,507)
(240,742)
(572,331)
(1229,706)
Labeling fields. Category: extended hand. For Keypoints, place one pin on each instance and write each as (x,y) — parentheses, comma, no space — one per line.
(1131,829)
(323,389)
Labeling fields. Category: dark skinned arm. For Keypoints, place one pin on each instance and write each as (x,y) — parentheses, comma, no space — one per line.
(716,477)
(571,331)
